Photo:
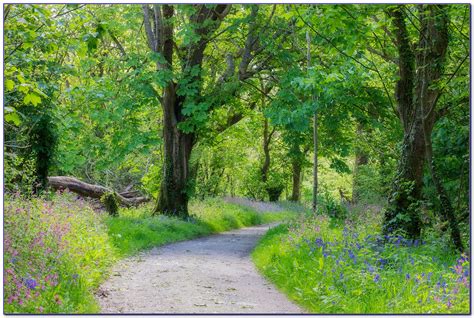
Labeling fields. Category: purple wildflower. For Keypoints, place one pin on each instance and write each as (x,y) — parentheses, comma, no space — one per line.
(31,283)
(319,242)
(351,254)
(377,278)
(449,304)
(429,276)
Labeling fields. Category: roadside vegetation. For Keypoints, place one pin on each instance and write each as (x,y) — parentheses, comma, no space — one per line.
(330,265)
(58,249)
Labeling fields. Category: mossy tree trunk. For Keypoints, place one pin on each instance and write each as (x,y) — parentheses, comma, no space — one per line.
(419,68)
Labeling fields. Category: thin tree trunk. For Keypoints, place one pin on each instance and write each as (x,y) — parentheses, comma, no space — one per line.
(315,134)
(361,159)
(266,151)
(296,170)
(443,198)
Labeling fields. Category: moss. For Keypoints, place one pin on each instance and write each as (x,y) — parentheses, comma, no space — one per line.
(110,202)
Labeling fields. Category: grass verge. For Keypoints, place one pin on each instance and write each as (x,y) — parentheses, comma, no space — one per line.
(344,267)
(58,251)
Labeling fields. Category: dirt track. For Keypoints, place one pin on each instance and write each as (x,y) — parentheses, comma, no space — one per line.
(208,275)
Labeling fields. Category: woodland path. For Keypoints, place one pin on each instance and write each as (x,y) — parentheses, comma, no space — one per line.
(213,274)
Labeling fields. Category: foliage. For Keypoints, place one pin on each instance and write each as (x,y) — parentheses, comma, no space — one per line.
(329,269)
(83,96)
(327,205)
(58,258)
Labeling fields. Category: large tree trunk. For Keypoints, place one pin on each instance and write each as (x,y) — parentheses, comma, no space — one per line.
(91,190)
(433,46)
(173,197)
(403,212)
(158,21)
(416,105)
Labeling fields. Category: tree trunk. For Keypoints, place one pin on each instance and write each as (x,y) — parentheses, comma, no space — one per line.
(173,197)
(361,159)
(443,198)
(315,132)
(91,190)
(416,107)
(266,151)
(296,192)
(403,210)
(431,57)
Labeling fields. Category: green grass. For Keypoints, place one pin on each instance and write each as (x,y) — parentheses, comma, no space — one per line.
(136,229)
(58,250)
(334,267)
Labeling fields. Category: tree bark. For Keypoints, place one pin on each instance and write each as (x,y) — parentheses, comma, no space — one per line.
(416,107)
(361,159)
(315,133)
(296,172)
(174,192)
(402,213)
(266,151)
(90,190)
(159,29)
(433,46)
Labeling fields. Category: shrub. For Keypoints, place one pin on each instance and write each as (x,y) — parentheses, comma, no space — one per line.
(110,202)
(329,206)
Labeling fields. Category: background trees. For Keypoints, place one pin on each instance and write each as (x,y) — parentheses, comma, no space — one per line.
(189,101)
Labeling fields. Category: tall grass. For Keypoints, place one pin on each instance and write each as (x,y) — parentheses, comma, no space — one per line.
(329,266)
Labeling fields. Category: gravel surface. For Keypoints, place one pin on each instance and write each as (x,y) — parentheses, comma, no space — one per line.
(208,275)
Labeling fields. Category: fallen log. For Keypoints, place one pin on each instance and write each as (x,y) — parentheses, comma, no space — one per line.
(91,190)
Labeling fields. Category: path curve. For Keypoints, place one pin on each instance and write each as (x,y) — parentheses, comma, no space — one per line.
(213,274)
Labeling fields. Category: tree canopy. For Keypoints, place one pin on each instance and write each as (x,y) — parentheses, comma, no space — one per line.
(190,101)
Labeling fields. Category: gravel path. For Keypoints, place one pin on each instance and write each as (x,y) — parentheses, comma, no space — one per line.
(208,275)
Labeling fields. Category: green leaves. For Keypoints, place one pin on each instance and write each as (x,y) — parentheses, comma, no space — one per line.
(9,84)
(11,116)
(32,98)
(196,116)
